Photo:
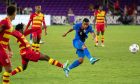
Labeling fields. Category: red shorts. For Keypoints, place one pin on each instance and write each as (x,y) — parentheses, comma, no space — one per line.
(100,27)
(29,55)
(4,58)
(37,34)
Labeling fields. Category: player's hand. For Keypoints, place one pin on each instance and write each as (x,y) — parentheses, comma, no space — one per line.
(46,33)
(64,35)
(10,54)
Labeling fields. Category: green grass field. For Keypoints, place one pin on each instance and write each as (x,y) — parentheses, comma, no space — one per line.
(117,64)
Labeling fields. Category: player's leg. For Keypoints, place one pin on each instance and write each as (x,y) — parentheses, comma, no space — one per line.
(34,36)
(6,63)
(38,41)
(6,74)
(20,68)
(88,55)
(97,34)
(102,38)
(76,63)
(102,35)
(50,60)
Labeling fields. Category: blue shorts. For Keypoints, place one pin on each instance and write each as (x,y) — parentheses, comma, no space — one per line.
(78,45)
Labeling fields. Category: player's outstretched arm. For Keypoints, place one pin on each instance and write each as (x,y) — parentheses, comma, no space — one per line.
(65,34)
(29,31)
(30,20)
(28,25)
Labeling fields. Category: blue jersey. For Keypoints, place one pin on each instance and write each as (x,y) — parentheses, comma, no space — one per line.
(82,34)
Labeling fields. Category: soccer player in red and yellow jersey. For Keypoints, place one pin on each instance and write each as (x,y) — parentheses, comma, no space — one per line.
(100,22)
(27,54)
(37,19)
(5,50)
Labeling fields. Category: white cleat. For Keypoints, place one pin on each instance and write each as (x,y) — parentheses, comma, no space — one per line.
(41,42)
(96,44)
(31,42)
(65,68)
(102,45)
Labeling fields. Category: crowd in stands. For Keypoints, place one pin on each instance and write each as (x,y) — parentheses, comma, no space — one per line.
(131,9)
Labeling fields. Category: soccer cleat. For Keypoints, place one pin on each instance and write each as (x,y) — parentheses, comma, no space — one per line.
(66,72)
(102,45)
(65,68)
(31,42)
(96,45)
(41,42)
(93,60)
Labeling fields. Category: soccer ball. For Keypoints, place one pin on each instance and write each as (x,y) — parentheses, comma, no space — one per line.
(134,48)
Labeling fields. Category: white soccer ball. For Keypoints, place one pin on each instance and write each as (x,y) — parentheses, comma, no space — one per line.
(134,48)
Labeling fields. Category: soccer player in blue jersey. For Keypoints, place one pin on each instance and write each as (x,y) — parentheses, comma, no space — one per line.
(82,29)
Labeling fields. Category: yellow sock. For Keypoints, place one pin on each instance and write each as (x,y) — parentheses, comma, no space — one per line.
(17,70)
(6,78)
(37,47)
(33,46)
(102,38)
(55,62)
(97,37)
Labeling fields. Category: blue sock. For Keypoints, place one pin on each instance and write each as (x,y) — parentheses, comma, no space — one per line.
(74,64)
(87,53)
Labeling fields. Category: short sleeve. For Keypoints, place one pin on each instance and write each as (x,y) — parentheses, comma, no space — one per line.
(4,24)
(91,29)
(75,27)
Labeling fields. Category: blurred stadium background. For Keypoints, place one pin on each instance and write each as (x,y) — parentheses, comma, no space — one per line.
(117,64)
(72,11)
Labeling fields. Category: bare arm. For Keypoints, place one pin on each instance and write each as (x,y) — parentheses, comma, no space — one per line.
(65,34)
(9,51)
(105,22)
(29,31)
(30,20)
(45,27)
(94,21)
(93,35)
(28,25)
(1,28)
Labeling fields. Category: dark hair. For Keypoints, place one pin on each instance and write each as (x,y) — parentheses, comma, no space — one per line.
(19,26)
(11,10)
(85,20)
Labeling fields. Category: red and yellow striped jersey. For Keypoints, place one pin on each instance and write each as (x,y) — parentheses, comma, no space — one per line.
(100,16)
(37,20)
(21,39)
(6,29)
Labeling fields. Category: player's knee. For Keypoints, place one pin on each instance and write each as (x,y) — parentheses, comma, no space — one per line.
(81,60)
(98,33)
(102,33)
(47,57)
